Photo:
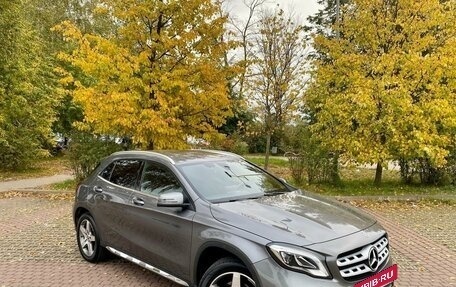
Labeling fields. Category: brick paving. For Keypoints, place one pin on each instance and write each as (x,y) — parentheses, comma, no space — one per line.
(38,247)
(421,260)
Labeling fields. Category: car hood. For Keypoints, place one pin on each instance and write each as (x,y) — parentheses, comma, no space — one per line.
(297,217)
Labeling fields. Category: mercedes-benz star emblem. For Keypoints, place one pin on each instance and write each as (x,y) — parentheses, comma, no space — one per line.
(373,259)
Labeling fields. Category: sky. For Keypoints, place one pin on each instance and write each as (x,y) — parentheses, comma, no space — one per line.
(301,8)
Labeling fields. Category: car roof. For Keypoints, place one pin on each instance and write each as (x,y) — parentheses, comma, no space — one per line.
(181,156)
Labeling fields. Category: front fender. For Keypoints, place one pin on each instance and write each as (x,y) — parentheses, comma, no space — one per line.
(248,248)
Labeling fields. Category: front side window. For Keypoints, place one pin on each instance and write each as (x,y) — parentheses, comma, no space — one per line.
(157,179)
(106,173)
(126,172)
(230,180)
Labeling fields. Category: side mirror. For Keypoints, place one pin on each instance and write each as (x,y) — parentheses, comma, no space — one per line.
(171,199)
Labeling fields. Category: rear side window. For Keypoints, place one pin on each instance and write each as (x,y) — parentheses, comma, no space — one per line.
(125,173)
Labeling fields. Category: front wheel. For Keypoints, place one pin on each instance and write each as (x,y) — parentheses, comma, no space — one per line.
(227,272)
(88,240)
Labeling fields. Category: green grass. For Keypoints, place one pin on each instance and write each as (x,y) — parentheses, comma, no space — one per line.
(365,187)
(357,181)
(69,184)
(274,161)
(41,167)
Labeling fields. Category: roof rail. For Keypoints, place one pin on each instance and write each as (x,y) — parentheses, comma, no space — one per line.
(163,156)
(221,152)
(149,152)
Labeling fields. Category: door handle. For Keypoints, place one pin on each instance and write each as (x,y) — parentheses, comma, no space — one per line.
(138,201)
(97,189)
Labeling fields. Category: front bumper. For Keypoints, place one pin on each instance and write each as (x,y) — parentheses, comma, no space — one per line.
(270,274)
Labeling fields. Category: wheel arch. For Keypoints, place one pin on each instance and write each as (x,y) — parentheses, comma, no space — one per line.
(78,212)
(210,252)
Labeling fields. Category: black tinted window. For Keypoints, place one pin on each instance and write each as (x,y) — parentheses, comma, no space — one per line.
(157,180)
(126,172)
(106,173)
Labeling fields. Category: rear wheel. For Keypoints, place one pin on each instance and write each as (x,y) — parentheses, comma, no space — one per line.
(227,272)
(88,240)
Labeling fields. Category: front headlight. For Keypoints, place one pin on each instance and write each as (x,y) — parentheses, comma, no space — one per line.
(299,259)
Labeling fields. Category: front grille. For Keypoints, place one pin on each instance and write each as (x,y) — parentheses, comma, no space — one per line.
(363,262)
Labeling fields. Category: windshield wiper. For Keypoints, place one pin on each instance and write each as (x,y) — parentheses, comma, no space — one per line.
(238,199)
(274,193)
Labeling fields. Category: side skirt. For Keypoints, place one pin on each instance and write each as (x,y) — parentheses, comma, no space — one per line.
(147,266)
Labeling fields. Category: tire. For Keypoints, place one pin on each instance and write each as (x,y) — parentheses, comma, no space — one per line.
(227,272)
(89,240)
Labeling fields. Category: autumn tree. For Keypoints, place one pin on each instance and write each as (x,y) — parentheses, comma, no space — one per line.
(27,96)
(386,88)
(277,72)
(323,23)
(158,78)
(83,14)
(239,35)
(245,31)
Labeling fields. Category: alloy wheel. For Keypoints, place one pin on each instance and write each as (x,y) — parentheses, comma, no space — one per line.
(87,238)
(232,279)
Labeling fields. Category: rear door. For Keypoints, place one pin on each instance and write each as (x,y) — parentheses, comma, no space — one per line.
(162,236)
(113,188)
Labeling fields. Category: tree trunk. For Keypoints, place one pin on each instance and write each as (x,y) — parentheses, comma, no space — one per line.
(268,148)
(150,146)
(335,177)
(378,174)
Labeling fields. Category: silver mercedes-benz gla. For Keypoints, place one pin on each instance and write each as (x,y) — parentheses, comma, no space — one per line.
(212,219)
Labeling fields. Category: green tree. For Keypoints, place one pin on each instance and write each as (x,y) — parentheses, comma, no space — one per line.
(325,19)
(386,88)
(44,15)
(26,98)
(323,23)
(306,155)
(158,78)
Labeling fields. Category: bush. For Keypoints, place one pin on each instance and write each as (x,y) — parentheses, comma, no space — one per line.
(18,150)
(297,166)
(423,171)
(308,157)
(240,147)
(233,144)
(451,167)
(256,142)
(86,150)
(255,138)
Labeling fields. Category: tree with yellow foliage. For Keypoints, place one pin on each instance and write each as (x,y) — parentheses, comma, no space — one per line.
(386,88)
(158,78)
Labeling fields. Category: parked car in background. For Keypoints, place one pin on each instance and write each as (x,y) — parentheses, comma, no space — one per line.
(210,218)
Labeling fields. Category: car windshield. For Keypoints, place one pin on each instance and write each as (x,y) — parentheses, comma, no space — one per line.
(220,181)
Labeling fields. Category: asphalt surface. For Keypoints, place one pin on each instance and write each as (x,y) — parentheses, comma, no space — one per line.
(33,182)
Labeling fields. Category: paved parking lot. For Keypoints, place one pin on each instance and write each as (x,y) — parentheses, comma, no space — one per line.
(424,257)
(38,247)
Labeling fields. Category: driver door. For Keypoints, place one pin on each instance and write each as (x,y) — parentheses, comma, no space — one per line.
(161,235)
